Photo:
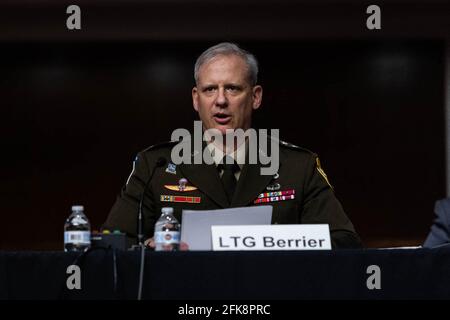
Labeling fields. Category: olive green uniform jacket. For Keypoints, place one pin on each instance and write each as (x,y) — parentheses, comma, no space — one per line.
(299,170)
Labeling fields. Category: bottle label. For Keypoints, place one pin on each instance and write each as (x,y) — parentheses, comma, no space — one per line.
(77,237)
(167,237)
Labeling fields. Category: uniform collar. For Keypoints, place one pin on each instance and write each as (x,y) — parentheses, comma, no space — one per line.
(206,177)
(238,155)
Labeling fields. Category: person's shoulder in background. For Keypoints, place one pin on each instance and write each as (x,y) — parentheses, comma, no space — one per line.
(440,230)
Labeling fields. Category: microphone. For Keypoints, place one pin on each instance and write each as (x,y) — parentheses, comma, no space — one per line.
(159,163)
(140,233)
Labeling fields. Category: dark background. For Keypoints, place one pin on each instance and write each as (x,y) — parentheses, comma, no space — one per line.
(76,106)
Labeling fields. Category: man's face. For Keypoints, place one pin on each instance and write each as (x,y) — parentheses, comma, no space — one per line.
(224,97)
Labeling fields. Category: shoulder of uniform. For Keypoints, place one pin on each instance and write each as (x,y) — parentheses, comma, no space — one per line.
(292,146)
(160,146)
(310,153)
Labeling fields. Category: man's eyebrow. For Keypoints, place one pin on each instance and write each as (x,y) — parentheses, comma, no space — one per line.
(234,85)
(227,85)
(208,85)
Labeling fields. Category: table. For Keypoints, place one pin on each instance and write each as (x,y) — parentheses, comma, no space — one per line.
(340,274)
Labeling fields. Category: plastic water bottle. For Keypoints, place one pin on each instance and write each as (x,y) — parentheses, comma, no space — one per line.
(167,231)
(77,231)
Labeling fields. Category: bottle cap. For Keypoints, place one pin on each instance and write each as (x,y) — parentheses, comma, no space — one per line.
(106,231)
(167,210)
(117,231)
(77,208)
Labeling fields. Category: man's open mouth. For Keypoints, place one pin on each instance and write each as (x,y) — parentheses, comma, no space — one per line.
(222,118)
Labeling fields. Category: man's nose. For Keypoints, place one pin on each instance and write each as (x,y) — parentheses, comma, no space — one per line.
(221,100)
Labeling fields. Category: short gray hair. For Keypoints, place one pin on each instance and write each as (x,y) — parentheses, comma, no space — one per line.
(227,48)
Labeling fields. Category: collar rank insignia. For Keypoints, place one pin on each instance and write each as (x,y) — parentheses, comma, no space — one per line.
(275,196)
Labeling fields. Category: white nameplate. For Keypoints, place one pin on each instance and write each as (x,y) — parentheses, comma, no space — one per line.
(271,237)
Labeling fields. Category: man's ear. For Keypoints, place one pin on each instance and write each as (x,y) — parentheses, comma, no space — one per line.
(195,98)
(257,96)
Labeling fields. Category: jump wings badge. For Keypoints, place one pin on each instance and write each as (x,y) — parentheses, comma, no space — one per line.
(181,187)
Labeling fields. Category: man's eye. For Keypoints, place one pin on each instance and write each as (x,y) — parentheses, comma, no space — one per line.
(209,89)
(233,88)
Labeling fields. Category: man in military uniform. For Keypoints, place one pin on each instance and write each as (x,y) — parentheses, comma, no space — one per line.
(225,96)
